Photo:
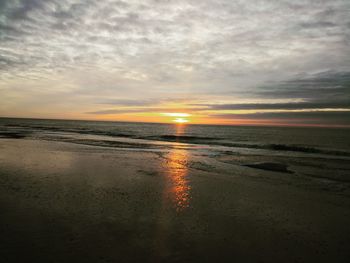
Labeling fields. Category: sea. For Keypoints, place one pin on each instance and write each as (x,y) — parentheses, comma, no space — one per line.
(308,151)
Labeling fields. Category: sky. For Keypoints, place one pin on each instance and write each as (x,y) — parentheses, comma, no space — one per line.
(216,62)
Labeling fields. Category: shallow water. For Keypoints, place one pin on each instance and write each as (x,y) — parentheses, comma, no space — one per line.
(322,153)
(313,140)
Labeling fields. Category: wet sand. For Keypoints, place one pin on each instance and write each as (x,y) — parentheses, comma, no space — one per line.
(63,202)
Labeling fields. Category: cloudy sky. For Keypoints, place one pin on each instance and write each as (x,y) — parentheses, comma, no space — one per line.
(231,62)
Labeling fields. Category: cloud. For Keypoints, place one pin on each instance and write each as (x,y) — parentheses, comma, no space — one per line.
(127,102)
(116,111)
(327,87)
(341,118)
(207,37)
(320,24)
(136,53)
(316,91)
(277,106)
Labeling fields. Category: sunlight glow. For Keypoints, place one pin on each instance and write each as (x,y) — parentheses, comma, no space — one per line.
(180,120)
(176,114)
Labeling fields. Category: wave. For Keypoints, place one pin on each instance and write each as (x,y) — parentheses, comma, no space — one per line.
(274,147)
(289,148)
(180,138)
(189,139)
(13,135)
(80,130)
(106,143)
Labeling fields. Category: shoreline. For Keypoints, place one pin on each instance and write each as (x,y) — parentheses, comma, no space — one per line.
(65,202)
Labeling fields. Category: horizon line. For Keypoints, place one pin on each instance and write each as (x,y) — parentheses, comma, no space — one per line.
(186,124)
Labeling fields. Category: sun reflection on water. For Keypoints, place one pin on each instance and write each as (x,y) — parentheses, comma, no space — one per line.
(176,195)
(178,187)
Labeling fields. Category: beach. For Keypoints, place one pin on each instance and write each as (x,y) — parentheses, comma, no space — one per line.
(69,202)
(174,131)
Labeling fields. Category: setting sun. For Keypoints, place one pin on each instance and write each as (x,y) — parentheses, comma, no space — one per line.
(179,117)
(180,120)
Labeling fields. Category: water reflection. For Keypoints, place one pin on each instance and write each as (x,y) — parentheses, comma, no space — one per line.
(177,184)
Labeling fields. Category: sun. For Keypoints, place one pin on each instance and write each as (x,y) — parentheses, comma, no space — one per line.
(178,117)
(180,120)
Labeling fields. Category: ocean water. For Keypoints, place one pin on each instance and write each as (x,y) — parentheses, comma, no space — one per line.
(330,141)
(307,156)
